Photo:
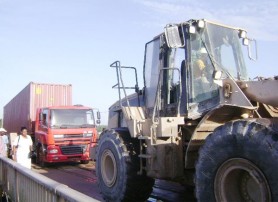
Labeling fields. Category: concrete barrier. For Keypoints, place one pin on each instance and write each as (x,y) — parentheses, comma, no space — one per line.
(24,185)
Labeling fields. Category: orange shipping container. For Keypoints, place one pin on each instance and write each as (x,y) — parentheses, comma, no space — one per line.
(21,110)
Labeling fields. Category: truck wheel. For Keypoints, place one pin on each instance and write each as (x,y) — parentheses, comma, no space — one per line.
(40,156)
(238,162)
(117,164)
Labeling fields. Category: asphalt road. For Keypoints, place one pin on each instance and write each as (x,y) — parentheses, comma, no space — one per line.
(83,179)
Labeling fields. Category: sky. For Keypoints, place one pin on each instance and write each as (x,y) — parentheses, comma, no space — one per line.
(75,41)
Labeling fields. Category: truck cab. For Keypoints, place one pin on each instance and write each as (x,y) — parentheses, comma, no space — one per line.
(64,133)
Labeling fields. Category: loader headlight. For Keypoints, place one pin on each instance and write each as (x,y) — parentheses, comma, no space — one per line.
(242,34)
(217,75)
(201,23)
(245,42)
(192,29)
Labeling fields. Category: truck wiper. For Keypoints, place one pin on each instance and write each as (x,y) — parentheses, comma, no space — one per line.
(59,126)
(63,126)
(55,126)
(86,125)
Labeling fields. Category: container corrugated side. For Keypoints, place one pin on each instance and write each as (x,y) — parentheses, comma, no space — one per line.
(21,110)
(17,110)
(47,95)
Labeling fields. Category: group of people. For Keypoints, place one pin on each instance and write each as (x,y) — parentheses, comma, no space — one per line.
(21,147)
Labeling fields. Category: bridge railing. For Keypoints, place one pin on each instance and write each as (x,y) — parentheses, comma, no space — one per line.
(24,185)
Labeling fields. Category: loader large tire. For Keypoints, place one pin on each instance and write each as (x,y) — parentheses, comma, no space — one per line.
(238,162)
(117,164)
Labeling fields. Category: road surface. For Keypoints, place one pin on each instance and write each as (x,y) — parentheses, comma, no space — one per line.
(83,179)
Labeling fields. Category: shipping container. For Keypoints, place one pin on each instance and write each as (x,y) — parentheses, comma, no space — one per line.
(21,110)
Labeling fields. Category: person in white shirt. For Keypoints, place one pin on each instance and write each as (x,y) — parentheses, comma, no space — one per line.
(22,146)
(4,141)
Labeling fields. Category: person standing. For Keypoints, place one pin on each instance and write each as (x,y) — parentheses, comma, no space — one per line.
(22,146)
(4,141)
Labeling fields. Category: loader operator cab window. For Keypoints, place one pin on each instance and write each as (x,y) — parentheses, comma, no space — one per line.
(157,57)
(175,59)
(202,88)
(202,75)
(151,71)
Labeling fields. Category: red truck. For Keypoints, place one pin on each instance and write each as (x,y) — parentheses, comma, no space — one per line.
(61,132)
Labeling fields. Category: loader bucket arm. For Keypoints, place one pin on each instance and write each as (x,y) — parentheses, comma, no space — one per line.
(263,91)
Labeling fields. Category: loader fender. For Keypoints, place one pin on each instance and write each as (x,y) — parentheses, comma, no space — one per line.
(238,162)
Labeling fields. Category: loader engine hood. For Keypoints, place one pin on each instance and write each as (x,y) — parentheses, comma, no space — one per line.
(264,91)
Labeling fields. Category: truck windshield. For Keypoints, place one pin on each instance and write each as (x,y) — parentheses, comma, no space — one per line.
(223,48)
(72,118)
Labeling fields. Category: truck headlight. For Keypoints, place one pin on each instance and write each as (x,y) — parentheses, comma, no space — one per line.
(58,136)
(53,151)
(84,149)
(87,134)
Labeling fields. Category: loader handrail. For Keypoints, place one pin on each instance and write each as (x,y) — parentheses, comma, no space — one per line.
(120,84)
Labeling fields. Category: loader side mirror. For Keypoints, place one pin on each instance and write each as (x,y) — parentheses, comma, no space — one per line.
(172,35)
(252,48)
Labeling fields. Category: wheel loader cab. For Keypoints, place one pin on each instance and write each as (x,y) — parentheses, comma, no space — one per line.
(180,77)
(203,52)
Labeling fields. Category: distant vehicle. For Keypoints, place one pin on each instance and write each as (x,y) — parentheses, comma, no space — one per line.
(61,132)
(198,120)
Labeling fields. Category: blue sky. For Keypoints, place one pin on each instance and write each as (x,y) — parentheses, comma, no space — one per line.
(75,41)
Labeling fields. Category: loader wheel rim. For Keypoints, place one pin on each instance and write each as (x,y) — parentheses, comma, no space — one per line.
(108,168)
(238,179)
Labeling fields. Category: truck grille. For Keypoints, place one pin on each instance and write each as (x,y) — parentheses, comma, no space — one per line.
(71,150)
(73,135)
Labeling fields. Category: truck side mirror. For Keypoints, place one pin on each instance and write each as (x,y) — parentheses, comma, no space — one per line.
(41,117)
(98,115)
(44,118)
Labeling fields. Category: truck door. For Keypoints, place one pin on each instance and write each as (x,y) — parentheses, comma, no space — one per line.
(44,119)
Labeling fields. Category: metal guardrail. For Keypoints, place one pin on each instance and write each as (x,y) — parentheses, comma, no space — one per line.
(24,185)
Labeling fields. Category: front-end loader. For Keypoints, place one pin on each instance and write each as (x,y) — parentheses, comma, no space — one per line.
(198,120)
